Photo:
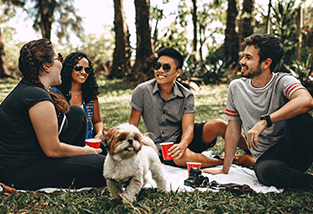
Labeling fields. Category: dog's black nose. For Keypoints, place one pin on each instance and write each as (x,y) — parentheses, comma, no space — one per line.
(130,141)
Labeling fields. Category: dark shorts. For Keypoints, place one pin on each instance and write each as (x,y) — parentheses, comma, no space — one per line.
(197,145)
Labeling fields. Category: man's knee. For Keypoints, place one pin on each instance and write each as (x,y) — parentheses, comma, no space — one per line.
(301,121)
(216,127)
(270,172)
(221,124)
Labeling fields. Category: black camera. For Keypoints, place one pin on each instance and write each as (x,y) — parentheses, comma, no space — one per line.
(195,179)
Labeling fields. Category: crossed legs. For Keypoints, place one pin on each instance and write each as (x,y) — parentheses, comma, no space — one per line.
(284,164)
(211,130)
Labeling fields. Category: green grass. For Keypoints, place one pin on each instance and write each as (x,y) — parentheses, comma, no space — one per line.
(115,109)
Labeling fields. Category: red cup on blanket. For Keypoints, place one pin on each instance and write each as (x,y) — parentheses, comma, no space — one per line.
(165,146)
(94,143)
(193,164)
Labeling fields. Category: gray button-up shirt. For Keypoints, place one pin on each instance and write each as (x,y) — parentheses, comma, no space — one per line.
(163,119)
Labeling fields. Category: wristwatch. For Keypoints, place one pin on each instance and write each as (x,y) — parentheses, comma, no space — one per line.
(268,119)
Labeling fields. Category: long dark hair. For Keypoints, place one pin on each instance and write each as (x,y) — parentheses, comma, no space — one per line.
(89,87)
(32,57)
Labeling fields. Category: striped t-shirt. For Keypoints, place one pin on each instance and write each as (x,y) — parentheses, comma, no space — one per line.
(248,104)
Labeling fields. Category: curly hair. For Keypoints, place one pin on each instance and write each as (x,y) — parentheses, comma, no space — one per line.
(89,87)
(32,57)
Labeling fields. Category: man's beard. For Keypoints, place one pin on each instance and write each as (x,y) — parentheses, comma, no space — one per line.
(254,73)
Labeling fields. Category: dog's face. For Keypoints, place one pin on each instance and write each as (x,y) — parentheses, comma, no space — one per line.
(123,141)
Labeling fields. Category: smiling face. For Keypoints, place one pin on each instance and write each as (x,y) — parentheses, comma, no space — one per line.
(250,66)
(167,78)
(80,76)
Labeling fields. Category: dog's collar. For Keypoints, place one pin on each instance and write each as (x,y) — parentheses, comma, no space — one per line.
(126,183)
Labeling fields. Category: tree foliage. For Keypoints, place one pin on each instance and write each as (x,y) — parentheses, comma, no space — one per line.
(8,13)
(44,13)
(284,26)
(218,34)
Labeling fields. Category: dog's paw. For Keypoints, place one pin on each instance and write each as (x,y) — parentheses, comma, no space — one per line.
(115,196)
(162,188)
(128,198)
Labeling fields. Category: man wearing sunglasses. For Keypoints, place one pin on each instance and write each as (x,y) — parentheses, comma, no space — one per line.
(168,111)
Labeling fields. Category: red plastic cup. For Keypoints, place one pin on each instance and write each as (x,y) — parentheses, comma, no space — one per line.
(94,143)
(193,164)
(165,146)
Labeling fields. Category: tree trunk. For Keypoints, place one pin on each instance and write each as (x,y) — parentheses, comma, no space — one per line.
(299,24)
(46,10)
(246,19)
(145,57)
(231,44)
(3,69)
(122,50)
(194,21)
(268,23)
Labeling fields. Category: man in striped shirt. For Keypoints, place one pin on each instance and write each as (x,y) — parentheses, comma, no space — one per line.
(272,109)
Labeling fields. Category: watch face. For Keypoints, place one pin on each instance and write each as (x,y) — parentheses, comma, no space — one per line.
(268,120)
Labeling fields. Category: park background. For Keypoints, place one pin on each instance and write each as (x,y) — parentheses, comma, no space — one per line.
(122,42)
(122,37)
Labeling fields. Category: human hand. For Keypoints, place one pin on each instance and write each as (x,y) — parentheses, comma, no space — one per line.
(90,150)
(214,171)
(177,150)
(98,136)
(253,134)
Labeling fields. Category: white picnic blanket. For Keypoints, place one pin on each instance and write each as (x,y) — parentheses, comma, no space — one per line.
(176,176)
(237,174)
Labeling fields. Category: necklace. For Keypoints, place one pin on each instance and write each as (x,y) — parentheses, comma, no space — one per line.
(77,94)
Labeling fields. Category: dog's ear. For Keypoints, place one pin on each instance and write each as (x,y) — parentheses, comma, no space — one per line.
(108,138)
(104,141)
(149,142)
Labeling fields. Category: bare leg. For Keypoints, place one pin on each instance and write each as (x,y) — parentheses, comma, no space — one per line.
(211,130)
(217,127)
(190,156)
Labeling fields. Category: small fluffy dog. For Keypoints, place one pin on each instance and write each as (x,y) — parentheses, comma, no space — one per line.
(130,156)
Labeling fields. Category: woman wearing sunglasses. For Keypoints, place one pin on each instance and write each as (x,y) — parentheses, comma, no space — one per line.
(80,88)
(33,154)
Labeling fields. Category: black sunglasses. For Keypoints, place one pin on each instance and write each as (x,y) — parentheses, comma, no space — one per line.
(60,58)
(166,66)
(78,68)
